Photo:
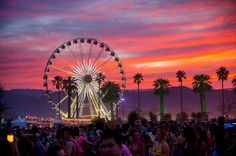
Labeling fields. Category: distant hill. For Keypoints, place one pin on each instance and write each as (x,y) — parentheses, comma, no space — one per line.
(33,102)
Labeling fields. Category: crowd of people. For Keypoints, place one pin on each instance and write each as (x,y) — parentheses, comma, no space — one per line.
(133,139)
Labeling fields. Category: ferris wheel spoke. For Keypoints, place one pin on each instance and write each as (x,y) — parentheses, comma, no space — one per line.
(62,100)
(102,65)
(73,56)
(84,93)
(98,56)
(64,61)
(81,53)
(92,97)
(73,106)
(63,70)
(90,52)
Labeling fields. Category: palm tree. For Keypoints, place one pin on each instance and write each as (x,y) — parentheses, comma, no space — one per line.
(69,85)
(138,78)
(181,75)
(58,83)
(201,85)
(222,74)
(161,89)
(111,94)
(234,83)
(100,78)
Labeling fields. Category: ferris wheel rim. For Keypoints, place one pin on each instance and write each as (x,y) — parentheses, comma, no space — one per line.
(89,41)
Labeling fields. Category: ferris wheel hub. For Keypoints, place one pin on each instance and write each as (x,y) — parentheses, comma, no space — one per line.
(88,78)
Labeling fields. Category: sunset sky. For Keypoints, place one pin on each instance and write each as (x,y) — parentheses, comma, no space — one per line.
(156,38)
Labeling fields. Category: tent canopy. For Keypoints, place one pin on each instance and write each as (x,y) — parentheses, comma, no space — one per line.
(18,122)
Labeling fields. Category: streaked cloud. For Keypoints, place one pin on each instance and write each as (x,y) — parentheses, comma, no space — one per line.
(156,38)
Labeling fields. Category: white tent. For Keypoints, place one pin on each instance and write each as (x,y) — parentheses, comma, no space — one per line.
(18,122)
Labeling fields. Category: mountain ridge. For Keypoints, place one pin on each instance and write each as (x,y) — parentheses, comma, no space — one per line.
(24,102)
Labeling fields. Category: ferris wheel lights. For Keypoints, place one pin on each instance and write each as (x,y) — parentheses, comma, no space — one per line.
(112,54)
(50,63)
(88,41)
(63,47)
(116,59)
(95,42)
(45,76)
(101,45)
(46,70)
(46,92)
(107,49)
(58,51)
(75,41)
(53,56)
(68,43)
(45,84)
(122,72)
(119,65)
(82,40)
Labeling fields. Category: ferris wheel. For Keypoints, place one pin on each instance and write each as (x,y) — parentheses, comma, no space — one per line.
(81,61)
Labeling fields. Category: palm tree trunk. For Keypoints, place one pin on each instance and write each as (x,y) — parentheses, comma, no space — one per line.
(181,97)
(223,104)
(69,102)
(138,100)
(117,111)
(112,111)
(59,104)
(77,105)
(99,102)
(162,106)
(203,103)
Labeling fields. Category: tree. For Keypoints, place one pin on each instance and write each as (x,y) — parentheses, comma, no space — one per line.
(161,89)
(69,85)
(3,106)
(222,74)
(181,75)
(202,84)
(138,78)
(234,83)
(182,116)
(100,78)
(58,83)
(111,94)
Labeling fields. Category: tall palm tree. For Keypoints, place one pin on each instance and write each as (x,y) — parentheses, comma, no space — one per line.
(181,75)
(234,83)
(111,94)
(58,83)
(138,78)
(222,74)
(100,78)
(69,85)
(202,84)
(161,89)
